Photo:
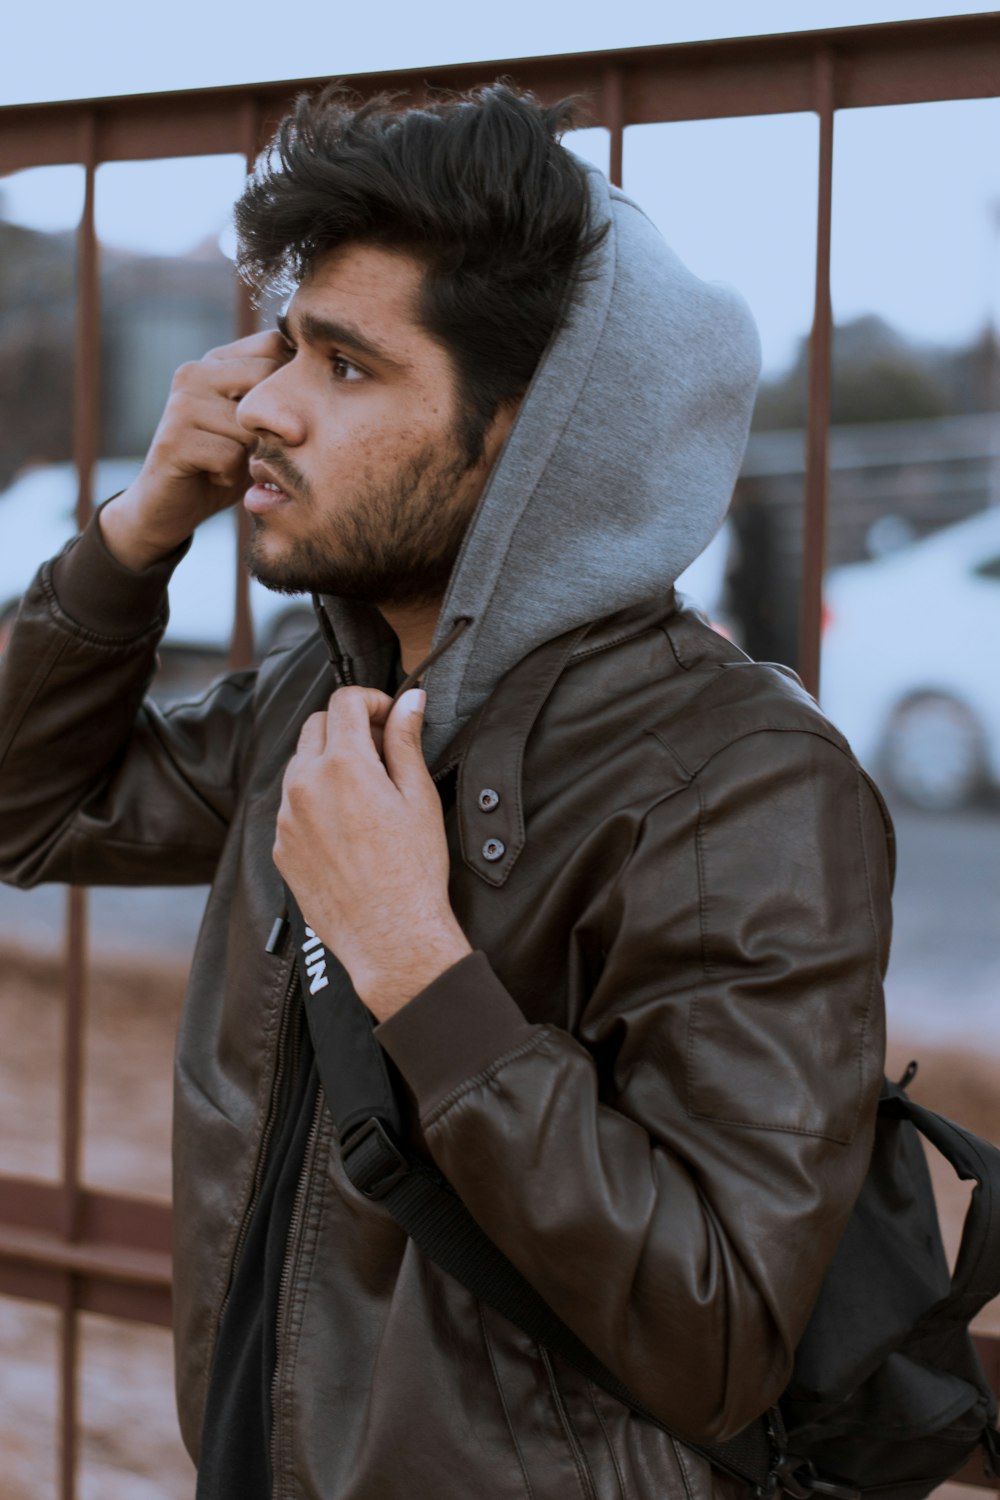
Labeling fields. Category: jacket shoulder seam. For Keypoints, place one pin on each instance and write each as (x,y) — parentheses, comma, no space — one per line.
(641,628)
(693,771)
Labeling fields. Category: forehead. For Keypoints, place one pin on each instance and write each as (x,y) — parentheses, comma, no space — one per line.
(370,287)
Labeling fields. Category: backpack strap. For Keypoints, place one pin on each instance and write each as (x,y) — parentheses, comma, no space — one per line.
(356,1082)
(976,1277)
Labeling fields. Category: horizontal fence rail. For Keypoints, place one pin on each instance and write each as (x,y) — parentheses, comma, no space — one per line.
(905,62)
(82,1250)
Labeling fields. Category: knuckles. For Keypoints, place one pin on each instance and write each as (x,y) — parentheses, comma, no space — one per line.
(187,375)
(348,701)
(180,408)
(295,793)
(309,727)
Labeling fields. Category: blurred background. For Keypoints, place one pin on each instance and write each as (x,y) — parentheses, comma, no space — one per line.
(911,609)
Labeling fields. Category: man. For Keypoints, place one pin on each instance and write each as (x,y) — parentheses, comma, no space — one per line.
(619,908)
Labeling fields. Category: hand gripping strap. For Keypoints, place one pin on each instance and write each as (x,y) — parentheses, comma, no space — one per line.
(347,1055)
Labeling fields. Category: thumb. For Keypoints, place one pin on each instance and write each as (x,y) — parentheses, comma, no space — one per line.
(402,746)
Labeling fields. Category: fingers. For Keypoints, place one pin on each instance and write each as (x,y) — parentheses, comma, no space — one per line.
(221,457)
(232,377)
(360,724)
(354,716)
(267,345)
(216,417)
(312,736)
(403,745)
(199,432)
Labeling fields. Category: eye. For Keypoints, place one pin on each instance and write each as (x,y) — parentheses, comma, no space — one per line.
(345,370)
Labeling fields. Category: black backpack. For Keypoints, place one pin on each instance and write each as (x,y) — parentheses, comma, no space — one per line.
(887,1390)
(887,1397)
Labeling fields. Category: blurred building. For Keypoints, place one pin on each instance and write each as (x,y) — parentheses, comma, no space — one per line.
(156,313)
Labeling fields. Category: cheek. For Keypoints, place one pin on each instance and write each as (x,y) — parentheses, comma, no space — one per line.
(371,450)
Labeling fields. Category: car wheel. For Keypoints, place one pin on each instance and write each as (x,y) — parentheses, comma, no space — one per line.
(933,752)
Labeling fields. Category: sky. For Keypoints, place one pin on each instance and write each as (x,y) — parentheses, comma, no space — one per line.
(119,47)
(916,189)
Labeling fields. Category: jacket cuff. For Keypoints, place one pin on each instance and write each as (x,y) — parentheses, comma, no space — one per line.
(104,596)
(453,1030)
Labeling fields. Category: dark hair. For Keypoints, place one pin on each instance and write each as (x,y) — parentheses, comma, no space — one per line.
(476,186)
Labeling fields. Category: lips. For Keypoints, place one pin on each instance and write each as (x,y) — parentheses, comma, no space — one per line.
(265,478)
(267,492)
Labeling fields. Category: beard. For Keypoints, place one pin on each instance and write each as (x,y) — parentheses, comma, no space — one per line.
(396,544)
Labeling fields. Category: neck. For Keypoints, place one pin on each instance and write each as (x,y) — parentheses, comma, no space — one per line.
(414,629)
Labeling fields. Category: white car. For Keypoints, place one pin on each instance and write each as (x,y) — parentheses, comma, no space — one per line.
(37,518)
(911,663)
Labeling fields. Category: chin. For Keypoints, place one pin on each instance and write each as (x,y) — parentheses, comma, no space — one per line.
(273,566)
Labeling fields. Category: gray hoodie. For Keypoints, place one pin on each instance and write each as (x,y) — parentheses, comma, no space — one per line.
(616,474)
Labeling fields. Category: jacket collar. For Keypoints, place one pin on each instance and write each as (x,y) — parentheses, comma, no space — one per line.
(488,751)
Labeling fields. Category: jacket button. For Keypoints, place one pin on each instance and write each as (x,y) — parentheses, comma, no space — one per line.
(488,799)
(493,849)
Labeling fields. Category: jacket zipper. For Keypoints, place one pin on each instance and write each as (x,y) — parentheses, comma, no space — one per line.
(273,1119)
(343,672)
(288,1268)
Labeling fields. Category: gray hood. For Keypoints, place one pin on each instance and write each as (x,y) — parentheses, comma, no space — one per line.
(617,472)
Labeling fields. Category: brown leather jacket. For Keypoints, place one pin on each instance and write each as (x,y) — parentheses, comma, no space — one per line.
(653,1084)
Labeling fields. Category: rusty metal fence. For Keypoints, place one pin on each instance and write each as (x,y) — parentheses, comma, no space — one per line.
(82,1250)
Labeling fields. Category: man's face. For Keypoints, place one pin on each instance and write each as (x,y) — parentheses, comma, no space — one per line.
(358,432)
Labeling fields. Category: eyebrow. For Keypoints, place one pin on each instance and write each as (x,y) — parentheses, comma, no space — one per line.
(316,330)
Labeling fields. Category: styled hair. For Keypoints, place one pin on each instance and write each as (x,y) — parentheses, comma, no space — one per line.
(475,186)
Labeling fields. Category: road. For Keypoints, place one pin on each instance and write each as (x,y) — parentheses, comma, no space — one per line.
(944,976)
(944,973)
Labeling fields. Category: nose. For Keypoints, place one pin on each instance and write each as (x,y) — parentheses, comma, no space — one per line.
(270,407)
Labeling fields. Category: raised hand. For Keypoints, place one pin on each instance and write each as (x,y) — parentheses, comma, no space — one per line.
(197,461)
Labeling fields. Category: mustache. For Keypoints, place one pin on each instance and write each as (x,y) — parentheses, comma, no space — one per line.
(292,479)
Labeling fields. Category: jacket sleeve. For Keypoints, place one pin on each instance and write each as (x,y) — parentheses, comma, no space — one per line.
(673,1179)
(98,785)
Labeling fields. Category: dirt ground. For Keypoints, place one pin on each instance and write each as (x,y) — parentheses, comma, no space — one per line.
(130,1447)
